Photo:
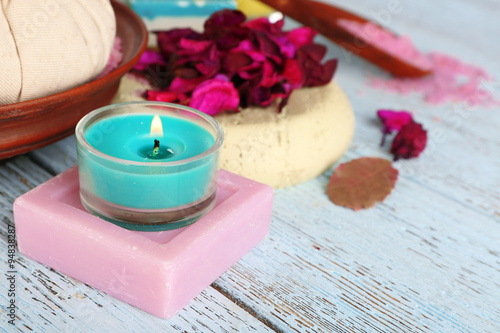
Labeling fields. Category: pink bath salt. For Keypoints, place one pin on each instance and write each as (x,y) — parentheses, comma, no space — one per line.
(115,58)
(450,79)
(398,46)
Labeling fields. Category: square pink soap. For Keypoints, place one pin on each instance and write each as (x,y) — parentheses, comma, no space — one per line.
(159,272)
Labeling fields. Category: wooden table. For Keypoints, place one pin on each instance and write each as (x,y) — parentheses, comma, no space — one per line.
(425,260)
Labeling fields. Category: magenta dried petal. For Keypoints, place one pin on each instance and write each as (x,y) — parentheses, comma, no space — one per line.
(249,48)
(161,96)
(208,68)
(268,47)
(314,51)
(222,77)
(265,96)
(234,61)
(394,120)
(252,72)
(260,96)
(215,96)
(245,45)
(225,18)
(269,74)
(286,48)
(309,57)
(293,73)
(409,142)
(244,60)
(322,74)
(149,57)
(263,24)
(168,41)
(301,36)
(228,39)
(185,86)
(224,28)
(189,46)
(191,51)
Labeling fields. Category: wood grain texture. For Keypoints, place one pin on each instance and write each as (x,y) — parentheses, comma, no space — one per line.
(425,260)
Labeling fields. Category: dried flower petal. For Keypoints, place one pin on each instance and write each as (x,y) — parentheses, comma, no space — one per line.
(263,24)
(361,183)
(215,96)
(182,85)
(149,57)
(309,58)
(225,28)
(268,47)
(225,18)
(191,51)
(409,142)
(161,96)
(168,41)
(301,36)
(393,121)
(269,74)
(293,73)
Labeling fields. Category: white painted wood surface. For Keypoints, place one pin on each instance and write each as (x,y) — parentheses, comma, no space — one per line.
(425,260)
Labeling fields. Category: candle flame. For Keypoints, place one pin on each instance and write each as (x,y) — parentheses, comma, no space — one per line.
(156,126)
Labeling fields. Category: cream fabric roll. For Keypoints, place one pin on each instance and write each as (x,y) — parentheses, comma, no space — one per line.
(52,45)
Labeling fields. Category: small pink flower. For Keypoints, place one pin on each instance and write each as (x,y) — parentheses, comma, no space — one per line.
(214,96)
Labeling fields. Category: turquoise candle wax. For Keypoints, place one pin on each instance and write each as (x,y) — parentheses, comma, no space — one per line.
(126,162)
(132,137)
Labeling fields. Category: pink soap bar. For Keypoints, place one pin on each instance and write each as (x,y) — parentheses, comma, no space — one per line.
(159,272)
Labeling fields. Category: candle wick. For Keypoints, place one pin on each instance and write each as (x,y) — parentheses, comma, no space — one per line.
(156,148)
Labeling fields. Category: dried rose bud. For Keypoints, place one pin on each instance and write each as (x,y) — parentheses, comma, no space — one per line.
(409,142)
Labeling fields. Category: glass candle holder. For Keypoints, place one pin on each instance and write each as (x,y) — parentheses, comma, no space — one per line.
(148,166)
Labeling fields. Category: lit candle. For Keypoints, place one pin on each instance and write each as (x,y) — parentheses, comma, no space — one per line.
(148,166)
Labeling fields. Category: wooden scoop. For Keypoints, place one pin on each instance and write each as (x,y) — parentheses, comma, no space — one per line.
(325,19)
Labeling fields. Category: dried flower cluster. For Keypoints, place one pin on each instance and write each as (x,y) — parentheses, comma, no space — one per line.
(234,63)
(411,137)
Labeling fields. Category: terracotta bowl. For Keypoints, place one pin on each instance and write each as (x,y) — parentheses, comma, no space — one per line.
(33,124)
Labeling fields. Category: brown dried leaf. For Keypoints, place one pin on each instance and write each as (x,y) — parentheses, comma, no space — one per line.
(361,183)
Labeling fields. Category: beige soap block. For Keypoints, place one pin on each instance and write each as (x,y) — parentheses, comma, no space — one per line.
(51,46)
